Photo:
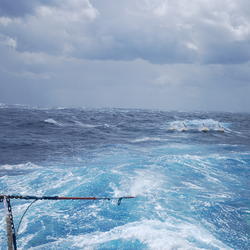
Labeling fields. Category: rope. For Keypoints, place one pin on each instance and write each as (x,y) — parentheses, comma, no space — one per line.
(26,210)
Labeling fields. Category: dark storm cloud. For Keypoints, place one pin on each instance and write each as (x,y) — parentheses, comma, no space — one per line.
(159,31)
(20,8)
(164,31)
(233,52)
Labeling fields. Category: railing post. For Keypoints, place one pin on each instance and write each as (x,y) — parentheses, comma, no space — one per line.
(10,230)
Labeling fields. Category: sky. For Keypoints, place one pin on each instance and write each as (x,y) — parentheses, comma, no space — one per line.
(159,54)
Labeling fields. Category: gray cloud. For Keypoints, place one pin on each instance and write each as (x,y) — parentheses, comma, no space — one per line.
(146,54)
(159,32)
(21,8)
(41,79)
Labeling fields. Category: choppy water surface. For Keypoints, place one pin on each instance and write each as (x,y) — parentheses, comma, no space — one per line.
(189,171)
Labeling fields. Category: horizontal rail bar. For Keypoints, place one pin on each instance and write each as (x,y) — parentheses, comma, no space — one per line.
(62,198)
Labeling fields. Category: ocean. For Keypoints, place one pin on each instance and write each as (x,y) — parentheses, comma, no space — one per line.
(189,171)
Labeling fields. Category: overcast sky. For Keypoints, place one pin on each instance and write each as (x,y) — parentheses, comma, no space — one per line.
(164,54)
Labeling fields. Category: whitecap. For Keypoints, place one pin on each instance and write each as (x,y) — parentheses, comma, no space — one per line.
(2,105)
(25,166)
(145,139)
(140,182)
(201,125)
(19,169)
(85,125)
(106,125)
(52,121)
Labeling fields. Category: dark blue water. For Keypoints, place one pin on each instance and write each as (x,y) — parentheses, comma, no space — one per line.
(189,171)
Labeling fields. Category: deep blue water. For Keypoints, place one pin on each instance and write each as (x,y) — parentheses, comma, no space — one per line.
(190,173)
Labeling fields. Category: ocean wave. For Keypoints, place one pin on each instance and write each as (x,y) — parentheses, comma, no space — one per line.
(191,191)
(85,125)
(17,169)
(23,166)
(52,121)
(201,125)
(148,139)
(70,123)
(139,182)
(152,234)
(2,105)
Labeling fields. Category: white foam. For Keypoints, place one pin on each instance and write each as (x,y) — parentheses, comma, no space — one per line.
(153,233)
(192,185)
(37,182)
(52,121)
(2,105)
(203,129)
(61,108)
(141,182)
(145,139)
(26,166)
(84,125)
(202,125)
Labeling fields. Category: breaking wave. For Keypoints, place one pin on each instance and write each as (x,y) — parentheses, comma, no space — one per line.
(52,121)
(84,125)
(203,125)
(148,139)
(18,169)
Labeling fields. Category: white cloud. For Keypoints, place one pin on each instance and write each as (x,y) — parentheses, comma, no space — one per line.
(68,11)
(5,21)
(8,41)
(192,46)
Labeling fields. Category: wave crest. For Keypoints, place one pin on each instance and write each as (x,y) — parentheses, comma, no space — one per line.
(148,139)
(52,121)
(201,125)
(17,169)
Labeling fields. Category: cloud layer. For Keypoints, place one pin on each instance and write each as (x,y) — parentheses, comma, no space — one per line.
(168,54)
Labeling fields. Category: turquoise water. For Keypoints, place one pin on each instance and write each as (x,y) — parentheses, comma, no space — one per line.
(188,171)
